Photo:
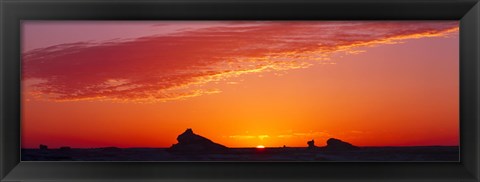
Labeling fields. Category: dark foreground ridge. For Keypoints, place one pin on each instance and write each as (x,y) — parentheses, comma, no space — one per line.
(189,142)
(193,147)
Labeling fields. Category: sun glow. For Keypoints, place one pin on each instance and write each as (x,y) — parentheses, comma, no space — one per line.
(239,83)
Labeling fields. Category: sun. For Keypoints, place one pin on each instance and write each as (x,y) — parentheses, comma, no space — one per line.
(260,146)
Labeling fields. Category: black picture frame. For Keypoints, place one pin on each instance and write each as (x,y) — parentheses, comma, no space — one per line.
(14,11)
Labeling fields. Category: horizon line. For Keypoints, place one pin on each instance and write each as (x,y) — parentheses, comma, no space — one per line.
(254,147)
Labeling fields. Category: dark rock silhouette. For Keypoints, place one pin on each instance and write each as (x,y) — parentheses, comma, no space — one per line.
(189,142)
(110,149)
(64,148)
(43,147)
(311,144)
(334,144)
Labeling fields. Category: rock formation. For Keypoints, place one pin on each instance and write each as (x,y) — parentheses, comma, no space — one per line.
(65,148)
(311,144)
(334,144)
(43,147)
(189,142)
(110,149)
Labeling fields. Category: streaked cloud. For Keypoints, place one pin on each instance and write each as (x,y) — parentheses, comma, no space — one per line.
(243,137)
(310,134)
(288,134)
(180,65)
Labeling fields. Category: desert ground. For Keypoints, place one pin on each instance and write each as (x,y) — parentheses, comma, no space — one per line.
(434,153)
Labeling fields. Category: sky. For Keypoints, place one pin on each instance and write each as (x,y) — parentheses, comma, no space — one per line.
(240,83)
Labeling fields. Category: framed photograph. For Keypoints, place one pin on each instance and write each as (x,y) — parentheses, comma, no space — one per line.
(239,90)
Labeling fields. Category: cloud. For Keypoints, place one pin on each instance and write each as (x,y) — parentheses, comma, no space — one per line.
(357,132)
(243,136)
(261,137)
(285,136)
(180,65)
(288,134)
(310,134)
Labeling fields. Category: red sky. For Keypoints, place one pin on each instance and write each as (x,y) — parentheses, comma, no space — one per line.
(241,84)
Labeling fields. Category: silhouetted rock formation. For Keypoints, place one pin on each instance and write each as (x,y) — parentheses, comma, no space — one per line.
(43,147)
(65,148)
(189,142)
(339,145)
(110,149)
(311,144)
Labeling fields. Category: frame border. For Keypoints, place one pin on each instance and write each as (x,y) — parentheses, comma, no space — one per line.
(13,11)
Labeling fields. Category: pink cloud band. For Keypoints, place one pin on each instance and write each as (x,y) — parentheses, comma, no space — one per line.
(179,65)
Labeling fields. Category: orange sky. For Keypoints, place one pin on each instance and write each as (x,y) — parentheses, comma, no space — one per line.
(241,84)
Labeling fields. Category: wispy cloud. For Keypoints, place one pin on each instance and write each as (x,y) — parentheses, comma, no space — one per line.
(311,134)
(287,134)
(243,137)
(180,65)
